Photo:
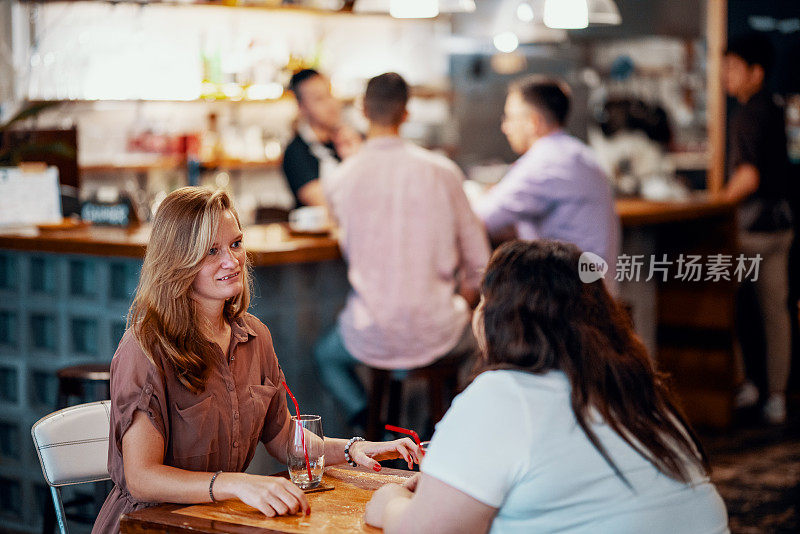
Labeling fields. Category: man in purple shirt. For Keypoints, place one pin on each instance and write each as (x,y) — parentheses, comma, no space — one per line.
(415,253)
(556,189)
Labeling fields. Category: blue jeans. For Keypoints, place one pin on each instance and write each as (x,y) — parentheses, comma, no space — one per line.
(337,372)
(337,369)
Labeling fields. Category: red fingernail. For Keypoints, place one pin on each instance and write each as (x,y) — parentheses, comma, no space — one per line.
(308,511)
(377,468)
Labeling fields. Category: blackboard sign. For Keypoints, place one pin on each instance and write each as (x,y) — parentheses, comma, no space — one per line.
(119,213)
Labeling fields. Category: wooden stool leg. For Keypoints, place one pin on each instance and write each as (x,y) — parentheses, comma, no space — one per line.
(379,381)
(395,402)
(436,394)
(63,394)
(451,381)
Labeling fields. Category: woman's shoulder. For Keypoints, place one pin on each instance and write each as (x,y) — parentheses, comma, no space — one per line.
(516,391)
(132,352)
(130,360)
(129,348)
(512,381)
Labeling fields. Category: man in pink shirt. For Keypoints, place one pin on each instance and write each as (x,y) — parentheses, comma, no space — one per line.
(414,248)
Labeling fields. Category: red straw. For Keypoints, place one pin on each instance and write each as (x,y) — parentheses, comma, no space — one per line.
(302,433)
(392,428)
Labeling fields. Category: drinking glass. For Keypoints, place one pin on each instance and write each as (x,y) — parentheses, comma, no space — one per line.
(307,429)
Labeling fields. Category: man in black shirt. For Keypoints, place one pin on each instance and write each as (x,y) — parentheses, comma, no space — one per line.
(758,172)
(320,140)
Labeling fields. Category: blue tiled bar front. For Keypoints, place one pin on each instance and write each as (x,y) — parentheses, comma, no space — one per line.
(60,309)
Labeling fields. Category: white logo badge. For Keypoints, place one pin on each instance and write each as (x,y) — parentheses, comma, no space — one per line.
(591,267)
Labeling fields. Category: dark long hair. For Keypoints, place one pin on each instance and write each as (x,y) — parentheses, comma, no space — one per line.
(538,316)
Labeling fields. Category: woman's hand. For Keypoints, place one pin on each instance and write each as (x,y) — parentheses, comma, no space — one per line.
(373,514)
(271,495)
(368,453)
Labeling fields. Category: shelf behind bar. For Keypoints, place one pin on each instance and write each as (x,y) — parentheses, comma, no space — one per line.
(426,93)
(201,100)
(306,10)
(178,163)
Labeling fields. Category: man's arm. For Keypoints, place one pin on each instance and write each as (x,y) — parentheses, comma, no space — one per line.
(743,183)
(311,194)
(514,198)
(472,243)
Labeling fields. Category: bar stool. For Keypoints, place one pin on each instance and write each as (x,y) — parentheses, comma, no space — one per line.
(84,383)
(88,382)
(386,392)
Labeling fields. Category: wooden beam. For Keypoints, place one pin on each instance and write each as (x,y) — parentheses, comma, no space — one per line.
(7,74)
(716,38)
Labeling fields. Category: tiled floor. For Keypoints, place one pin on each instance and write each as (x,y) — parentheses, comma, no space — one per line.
(756,468)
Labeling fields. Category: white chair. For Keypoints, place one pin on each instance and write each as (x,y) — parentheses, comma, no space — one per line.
(72,445)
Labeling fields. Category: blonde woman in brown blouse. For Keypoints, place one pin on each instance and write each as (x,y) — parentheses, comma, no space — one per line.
(195,382)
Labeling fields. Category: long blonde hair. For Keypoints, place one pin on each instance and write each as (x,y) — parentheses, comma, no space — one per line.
(163,315)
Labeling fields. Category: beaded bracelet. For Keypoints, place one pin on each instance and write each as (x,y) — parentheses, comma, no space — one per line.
(347,457)
(211,486)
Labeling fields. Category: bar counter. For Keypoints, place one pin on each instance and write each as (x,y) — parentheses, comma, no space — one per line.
(273,244)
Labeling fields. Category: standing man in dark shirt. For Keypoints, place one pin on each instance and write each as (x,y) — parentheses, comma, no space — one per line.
(321,140)
(758,181)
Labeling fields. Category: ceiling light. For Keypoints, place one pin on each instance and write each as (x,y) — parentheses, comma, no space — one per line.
(603,12)
(413,9)
(525,12)
(506,42)
(566,14)
(456,6)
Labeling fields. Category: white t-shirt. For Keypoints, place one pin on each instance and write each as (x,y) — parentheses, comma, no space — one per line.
(511,441)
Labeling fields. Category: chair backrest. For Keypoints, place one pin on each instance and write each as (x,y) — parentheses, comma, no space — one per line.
(72,444)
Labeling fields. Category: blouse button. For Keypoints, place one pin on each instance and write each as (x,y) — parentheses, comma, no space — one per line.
(236,415)
(235,444)
(148,389)
(230,387)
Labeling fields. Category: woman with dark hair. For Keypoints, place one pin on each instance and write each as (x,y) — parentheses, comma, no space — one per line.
(567,428)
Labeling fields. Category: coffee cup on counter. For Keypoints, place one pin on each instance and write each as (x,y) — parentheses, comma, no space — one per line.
(309,219)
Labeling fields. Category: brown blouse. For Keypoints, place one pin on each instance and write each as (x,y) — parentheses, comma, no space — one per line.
(218,429)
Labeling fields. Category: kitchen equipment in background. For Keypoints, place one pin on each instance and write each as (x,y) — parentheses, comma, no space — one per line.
(631,145)
(414,8)
(309,219)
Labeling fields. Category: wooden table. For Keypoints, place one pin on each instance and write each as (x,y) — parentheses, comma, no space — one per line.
(336,511)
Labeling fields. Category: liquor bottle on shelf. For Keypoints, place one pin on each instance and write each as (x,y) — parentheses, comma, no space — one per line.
(211,58)
(211,148)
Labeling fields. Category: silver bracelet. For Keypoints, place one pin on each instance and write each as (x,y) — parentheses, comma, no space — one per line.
(211,486)
(347,457)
